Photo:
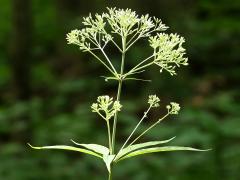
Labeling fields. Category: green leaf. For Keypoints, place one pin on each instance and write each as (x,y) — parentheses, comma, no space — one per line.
(139,146)
(95,147)
(159,149)
(108,159)
(70,148)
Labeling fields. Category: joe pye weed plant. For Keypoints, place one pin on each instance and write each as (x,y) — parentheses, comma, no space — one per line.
(122,28)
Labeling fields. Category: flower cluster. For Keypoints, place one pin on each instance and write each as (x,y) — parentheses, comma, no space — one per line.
(106,105)
(126,22)
(173,108)
(168,51)
(73,37)
(153,100)
(93,36)
(122,21)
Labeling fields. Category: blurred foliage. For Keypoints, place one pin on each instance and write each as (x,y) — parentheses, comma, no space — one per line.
(64,82)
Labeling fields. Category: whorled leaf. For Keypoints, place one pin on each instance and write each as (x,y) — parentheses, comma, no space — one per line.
(134,147)
(108,159)
(69,148)
(94,147)
(159,149)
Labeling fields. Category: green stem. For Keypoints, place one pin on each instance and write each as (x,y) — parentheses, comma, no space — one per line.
(137,69)
(143,61)
(102,62)
(129,137)
(119,92)
(115,116)
(149,129)
(109,137)
(105,55)
(109,176)
(139,36)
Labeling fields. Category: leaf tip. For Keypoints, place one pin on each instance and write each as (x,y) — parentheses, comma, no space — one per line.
(33,147)
(173,138)
(206,149)
(74,142)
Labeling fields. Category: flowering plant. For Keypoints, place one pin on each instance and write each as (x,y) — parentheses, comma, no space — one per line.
(122,28)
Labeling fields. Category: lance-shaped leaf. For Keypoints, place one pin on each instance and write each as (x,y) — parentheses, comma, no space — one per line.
(69,148)
(108,159)
(139,146)
(159,149)
(94,147)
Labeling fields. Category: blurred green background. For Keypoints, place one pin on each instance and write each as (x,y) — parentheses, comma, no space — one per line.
(47,86)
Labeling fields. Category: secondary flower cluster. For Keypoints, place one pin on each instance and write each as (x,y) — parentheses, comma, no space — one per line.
(173,108)
(106,105)
(168,51)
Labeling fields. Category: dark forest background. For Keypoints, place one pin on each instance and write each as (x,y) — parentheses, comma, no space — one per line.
(47,87)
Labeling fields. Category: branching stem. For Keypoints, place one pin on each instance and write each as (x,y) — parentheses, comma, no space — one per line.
(149,128)
(137,68)
(108,60)
(144,116)
(102,62)
(119,92)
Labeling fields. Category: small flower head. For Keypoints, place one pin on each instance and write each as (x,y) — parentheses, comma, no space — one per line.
(94,107)
(153,100)
(121,20)
(117,106)
(173,108)
(104,102)
(106,105)
(73,37)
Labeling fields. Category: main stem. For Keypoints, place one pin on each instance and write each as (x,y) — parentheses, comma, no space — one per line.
(109,136)
(109,176)
(115,116)
(119,91)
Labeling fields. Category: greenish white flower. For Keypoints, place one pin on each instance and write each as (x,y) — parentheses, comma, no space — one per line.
(117,106)
(73,37)
(168,51)
(121,20)
(94,107)
(173,108)
(104,102)
(153,100)
(106,105)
